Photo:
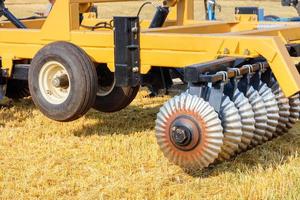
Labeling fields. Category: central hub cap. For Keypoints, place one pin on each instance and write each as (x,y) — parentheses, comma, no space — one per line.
(61,81)
(185,133)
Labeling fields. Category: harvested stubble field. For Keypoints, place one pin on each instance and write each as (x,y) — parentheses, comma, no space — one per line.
(115,156)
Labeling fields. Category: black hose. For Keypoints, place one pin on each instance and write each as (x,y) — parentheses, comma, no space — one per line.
(142,6)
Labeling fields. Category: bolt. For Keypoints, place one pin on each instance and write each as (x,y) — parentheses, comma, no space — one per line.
(134,29)
(247,52)
(49,92)
(226,51)
(180,136)
(135,69)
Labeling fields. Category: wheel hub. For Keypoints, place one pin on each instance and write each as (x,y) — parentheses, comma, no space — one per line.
(61,81)
(185,133)
(54,82)
(182,136)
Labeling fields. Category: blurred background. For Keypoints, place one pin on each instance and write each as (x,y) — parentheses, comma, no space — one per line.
(26,8)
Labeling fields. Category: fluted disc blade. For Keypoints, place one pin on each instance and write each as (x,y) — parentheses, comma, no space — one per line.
(207,149)
(272,110)
(284,110)
(247,119)
(260,116)
(294,110)
(232,128)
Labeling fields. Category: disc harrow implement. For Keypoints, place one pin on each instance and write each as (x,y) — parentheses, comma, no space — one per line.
(247,109)
(242,77)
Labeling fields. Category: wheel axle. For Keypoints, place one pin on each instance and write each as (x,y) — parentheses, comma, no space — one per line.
(61,81)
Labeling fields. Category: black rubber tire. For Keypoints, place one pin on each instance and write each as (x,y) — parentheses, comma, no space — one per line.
(118,98)
(271,18)
(17,89)
(82,77)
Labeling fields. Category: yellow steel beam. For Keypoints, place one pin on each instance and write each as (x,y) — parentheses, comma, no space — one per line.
(204,28)
(32,23)
(178,49)
(288,33)
(166,50)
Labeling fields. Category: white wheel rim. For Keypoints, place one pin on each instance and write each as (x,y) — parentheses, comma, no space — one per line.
(53,94)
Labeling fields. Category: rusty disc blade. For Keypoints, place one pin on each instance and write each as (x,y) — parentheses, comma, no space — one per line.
(194,118)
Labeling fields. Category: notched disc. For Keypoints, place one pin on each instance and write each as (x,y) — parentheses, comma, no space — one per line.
(247,119)
(272,110)
(294,102)
(284,110)
(232,128)
(260,116)
(189,132)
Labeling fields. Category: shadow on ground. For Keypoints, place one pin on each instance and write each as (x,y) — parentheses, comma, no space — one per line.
(134,119)
(10,110)
(128,121)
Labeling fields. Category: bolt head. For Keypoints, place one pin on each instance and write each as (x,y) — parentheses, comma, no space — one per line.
(179,135)
(135,69)
(134,29)
(246,52)
(49,92)
(226,51)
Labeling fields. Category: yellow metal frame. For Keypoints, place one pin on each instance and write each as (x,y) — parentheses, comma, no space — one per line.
(182,42)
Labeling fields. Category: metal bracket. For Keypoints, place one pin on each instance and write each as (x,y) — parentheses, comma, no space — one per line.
(20,72)
(196,73)
(212,86)
(267,76)
(232,86)
(127,51)
(3,83)
(245,80)
(211,92)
